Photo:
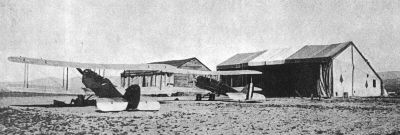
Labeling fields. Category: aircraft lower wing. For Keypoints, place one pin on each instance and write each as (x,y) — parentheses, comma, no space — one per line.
(237,96)
(120,104)
(242,97)
(111,104)
(148,106)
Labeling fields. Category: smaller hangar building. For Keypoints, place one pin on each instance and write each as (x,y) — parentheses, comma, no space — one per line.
(162,79)
(336,70)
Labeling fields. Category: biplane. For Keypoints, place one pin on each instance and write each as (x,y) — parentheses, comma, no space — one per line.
(110,99)
(245,94)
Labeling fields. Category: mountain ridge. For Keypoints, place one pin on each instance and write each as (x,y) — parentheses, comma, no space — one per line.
(391,80)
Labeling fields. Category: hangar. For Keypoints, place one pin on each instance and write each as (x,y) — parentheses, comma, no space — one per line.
(161,79)
(336,70)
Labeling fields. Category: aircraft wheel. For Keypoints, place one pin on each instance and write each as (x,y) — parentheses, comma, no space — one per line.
(132,95)
(212,97)
(198,97)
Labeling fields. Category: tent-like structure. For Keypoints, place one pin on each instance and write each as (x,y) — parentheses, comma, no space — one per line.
(334,70)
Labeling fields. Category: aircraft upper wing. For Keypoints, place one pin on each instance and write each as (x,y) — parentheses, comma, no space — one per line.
(148,67)
(56,63)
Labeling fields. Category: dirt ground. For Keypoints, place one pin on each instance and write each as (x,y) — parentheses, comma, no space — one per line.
(27,115)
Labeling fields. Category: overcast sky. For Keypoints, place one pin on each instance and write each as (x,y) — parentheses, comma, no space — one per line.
(141,31)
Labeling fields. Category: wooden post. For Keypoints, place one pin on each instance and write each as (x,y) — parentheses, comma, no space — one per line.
(242,82)
(63,78)
(143,81)
(160,81)
(66,86)
(27,75)
(352,71)
(193,84)
(151,80)
(165,79)
(24,76)
(155,80)
(231,81)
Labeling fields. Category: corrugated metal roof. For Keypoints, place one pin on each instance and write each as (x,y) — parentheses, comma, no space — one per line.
(178,63)
(175,63)
(319,51)
(287,55)
(241,58)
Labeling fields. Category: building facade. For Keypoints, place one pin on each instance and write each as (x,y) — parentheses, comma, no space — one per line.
(334,70)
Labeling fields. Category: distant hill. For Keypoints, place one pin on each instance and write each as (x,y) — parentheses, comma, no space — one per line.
(3,88)
(391,80)
(52,82)
(389,75)
(48,81)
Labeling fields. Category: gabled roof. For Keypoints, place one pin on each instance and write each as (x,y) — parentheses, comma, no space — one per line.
(307,53)
(241,58)
(319,51)
(179,63)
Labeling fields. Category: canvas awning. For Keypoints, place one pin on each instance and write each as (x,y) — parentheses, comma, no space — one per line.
(196,72)
(296,54)
(238,60)
(274,56)
(236,72)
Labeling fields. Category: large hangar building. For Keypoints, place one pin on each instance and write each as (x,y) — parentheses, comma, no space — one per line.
(336,70)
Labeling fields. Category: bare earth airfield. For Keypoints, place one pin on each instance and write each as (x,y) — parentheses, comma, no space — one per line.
(367,112)
(140,67)
(26,115)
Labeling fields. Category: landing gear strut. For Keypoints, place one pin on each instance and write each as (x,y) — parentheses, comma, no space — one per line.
(211,97)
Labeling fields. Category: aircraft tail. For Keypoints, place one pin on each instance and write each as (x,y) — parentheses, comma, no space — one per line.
(248,90)
(213,85)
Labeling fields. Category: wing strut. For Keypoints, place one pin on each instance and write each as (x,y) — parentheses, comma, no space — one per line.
(26,76)
(63,85)
(160,81)
(66,86)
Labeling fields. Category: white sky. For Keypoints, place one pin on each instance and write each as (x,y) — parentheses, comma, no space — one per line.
(142,31)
